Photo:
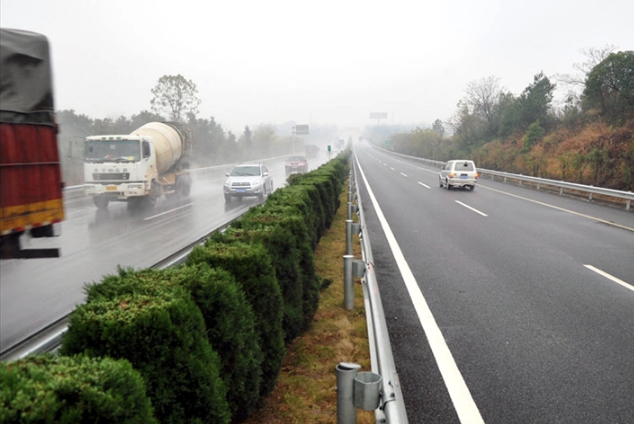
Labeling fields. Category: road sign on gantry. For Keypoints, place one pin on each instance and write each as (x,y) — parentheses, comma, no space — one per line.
(300,129)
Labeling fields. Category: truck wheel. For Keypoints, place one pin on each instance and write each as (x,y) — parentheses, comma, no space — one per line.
(183,188)
(101,202)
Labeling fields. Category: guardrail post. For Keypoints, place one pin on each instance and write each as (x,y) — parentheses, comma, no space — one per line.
(351,268)
(348,283)
(346,411)
(351,228)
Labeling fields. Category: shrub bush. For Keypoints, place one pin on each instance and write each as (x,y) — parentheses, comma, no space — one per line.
(250,264)
(294,264)
(79,389)
(164,338)
(229,321)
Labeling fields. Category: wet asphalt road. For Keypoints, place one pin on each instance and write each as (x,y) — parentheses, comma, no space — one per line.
(537,336)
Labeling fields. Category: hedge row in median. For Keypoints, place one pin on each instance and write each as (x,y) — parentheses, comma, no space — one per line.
(208,338)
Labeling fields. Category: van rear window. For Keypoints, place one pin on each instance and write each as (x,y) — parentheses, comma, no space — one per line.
(465,166)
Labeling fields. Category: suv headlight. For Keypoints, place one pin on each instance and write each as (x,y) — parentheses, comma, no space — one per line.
(255,183)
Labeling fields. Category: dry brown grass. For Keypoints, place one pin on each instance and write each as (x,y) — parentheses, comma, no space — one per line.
(306,388)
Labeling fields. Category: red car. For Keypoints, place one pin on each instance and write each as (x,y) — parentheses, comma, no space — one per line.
(296,165)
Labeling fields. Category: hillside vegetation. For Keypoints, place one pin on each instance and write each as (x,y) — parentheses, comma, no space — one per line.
(590,140)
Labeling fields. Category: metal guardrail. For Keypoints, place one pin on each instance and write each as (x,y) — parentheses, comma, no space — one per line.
(563,187)
(391,409)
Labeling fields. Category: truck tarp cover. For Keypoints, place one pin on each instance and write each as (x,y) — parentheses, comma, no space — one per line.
(25,74)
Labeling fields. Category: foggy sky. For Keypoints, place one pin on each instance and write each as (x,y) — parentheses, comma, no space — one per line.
(326,62)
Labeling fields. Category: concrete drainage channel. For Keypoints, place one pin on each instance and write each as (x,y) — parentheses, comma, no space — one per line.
(380,389)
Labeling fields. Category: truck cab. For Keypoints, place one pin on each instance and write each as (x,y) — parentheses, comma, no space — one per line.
(138,168)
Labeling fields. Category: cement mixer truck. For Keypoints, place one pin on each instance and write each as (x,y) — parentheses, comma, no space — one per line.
(138,168)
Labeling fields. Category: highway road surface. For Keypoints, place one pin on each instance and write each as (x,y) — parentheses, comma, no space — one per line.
(504,305)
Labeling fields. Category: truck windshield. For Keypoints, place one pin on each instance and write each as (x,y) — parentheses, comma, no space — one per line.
(113,151)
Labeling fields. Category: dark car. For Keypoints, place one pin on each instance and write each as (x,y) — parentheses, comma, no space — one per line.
(296,165)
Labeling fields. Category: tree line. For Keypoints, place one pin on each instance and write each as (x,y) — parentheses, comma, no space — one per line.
(175,98)
(589,140)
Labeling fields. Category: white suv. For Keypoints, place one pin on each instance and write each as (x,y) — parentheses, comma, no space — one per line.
(248,179)
(458,173)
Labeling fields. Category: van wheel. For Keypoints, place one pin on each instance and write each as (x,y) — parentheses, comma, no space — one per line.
(440,183)
(448,185)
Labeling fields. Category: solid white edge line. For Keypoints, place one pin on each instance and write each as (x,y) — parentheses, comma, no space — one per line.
(464,404)
(166,212)
(610,277)
(424,185)
(469,207)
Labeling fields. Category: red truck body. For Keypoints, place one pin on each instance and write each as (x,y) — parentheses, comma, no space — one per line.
(31,198)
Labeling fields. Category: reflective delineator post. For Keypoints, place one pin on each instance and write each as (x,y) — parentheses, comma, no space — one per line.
(352,209)
(348,282)
(349,236)
(346,410)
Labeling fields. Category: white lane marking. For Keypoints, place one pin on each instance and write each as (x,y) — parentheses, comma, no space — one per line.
(392,169)
(166,212)
(469,207)
(424,185)
(603,221)
(405,175)
(463,402)
(610,277)
(384,164)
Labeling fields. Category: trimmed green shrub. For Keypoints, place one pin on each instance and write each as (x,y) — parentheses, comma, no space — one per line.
(164,338)
(229,321)
(282,248)
(307,200)
(251,266)
(292,258)
(79,389)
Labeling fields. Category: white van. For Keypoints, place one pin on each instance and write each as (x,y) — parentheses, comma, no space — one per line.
(458,173)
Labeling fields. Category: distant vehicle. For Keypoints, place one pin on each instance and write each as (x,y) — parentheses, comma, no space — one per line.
(31,199)
(339,143)
(311,151)
(247,180)
(140,167)
(458,173)
(296,165)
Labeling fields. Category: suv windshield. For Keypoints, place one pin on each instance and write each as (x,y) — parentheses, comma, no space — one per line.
(245,171)
(295,159)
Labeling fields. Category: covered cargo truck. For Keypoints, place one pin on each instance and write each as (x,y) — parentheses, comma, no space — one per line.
(138,168)
(31,199)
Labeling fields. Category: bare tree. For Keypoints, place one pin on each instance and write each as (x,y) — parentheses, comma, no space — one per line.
(484,96)
(594,56)
(175,96)
(575,83)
